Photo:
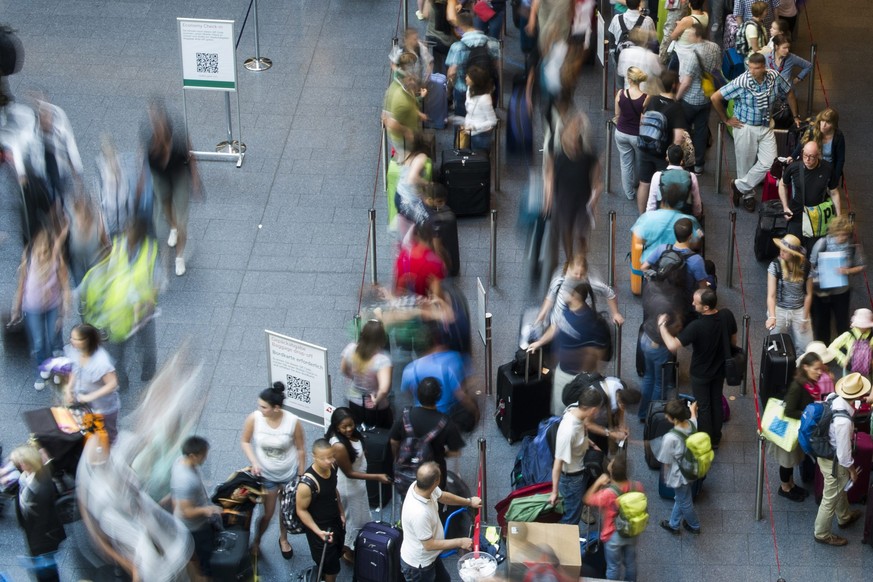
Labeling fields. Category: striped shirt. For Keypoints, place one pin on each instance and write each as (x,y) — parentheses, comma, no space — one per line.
(753,100)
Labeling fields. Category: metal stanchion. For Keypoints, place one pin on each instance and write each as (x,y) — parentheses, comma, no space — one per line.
(607,171)
(745,345)
(404,9)
(605,75)
(356,322)
(257,62)
(373,275)
(495,156)
(616,352)
(719,148)
(230,146)
(500,86)
(610,243)
(730,256)
(852,217)
(493,282)
(386,152)
(488,353)
(810,89)
(759,482)
(484,467)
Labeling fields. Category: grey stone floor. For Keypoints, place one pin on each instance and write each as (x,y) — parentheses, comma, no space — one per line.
(280,243)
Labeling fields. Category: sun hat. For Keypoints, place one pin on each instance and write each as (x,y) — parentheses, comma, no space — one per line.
(862,318)
(792,244)
(820,349)
(852,386)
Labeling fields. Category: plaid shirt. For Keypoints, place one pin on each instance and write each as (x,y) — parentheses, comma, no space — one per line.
(743,8)
(704,53)
(753,100)
(459,52)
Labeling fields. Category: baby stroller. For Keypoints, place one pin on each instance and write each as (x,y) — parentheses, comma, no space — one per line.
(61,434)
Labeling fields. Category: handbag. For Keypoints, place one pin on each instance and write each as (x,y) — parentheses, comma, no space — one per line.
(483,10)
(781,116)
(602,326)
(777,428)
(464,418)
(710,82)
(734,359)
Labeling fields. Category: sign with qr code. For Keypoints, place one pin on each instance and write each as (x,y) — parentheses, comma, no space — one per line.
(208,54)
(302,368)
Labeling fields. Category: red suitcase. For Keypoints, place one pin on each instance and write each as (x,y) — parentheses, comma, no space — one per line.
(771,188)
(863,455)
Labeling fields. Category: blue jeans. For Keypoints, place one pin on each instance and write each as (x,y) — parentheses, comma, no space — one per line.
(494,27)
(436,572)
(41,328)
(683,507)
(572,489)
(460,98)
(481,141)
(656,355)
(621,553)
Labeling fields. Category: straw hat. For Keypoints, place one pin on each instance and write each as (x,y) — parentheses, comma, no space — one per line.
(792,244)
(862,318)
(820,349)
(852,386)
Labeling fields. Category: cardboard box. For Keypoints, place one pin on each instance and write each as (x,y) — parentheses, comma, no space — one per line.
(524,539)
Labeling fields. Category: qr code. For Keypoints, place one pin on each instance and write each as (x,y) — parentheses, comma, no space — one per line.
(207,62)
(297,389)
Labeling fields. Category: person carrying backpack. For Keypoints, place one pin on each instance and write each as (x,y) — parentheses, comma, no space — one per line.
(474,48)
(624,516)
(622,24)
(423,433)
(676,266)
(684,419)
(752,34)
(675,174)
(840,468)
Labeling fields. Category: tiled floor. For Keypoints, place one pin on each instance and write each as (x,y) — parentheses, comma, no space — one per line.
(280,243)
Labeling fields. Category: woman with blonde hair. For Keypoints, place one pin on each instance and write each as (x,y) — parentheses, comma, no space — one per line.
(825,131)
(789,291)
(629,106)
(369,368)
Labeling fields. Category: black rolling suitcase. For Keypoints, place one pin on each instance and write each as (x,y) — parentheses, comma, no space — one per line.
(656,426)
(377,551)
(523,398)
(771,224)
(230,559)
(444,224)
(777,366)
(377,450)
(467,177)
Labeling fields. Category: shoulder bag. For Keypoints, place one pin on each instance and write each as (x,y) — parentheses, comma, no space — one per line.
(734,358)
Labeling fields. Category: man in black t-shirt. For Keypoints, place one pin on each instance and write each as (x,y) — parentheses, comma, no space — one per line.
(649,163)
(447,442)
(705,335)
(811,184)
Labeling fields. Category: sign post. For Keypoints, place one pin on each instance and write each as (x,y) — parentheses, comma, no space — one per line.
(302,368)
(209,63)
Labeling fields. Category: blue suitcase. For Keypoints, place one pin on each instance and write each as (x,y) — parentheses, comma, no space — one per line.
(732,64)
(519,124)
(377,550)
(436,102)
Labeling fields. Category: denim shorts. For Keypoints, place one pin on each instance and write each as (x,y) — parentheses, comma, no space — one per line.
(273,484)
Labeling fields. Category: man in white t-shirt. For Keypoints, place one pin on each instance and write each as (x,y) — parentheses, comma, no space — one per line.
(423,537)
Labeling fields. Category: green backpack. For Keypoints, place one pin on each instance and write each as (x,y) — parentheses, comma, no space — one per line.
(633,514)
(698,456)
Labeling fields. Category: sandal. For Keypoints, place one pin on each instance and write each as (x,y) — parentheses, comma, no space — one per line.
(286,554)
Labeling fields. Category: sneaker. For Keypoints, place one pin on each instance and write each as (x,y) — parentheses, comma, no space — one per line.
(180,266)
(588,516)
(854,516)
(666,525)
(790,495)
(44,374)
(832,540)
(38,385)
(419,15)
(171,240)
(690,529)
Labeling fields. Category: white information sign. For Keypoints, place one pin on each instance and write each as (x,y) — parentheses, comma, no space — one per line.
(302,367)
(208,54)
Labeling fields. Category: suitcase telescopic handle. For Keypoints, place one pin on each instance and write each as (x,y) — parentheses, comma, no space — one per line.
(527,366)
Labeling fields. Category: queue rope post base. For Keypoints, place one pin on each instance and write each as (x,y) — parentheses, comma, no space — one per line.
(730,255)
(257,63)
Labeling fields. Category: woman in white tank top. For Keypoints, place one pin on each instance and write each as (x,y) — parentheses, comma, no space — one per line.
(272,440)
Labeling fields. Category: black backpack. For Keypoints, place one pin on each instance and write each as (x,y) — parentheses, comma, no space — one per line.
(672,266)
(480,57)
(413,452)
(11,52)
(583,381)
(623,41)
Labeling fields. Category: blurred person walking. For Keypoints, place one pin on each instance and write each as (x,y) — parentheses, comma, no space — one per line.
(93,381)
(54,156)
(35,510)
(174,174)
(43,296)
(86,240)
(369,370)
(629,106)
(272,440)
